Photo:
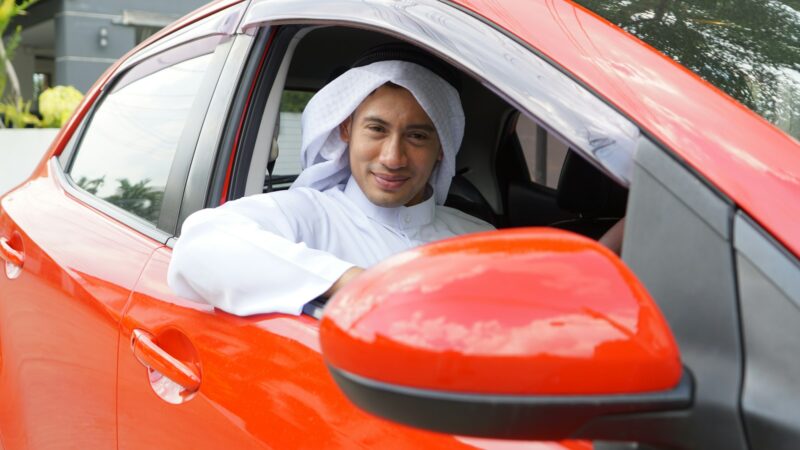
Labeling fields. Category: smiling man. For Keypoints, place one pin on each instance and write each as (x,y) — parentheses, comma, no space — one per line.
(378,151)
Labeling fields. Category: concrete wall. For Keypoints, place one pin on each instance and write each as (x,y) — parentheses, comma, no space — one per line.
(20,150)
(68,32)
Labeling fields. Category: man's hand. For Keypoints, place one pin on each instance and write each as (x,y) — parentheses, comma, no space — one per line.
(613,237)
(343,280)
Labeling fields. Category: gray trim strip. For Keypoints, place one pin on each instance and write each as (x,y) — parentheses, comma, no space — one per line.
(713,209)
(767,255)
(138,224)
(512,71)
(223,23)
(89,59)
(88,15)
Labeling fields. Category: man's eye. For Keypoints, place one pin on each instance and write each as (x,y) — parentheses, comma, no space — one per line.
(376,128)
(418,136)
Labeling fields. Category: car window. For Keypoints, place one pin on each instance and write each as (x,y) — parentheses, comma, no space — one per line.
(126,152)
(749,49)
(289,137)
(544,154)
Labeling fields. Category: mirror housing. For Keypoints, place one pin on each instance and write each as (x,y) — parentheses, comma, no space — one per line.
(529,333)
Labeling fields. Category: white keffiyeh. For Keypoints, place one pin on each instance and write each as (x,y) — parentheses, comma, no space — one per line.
(323,153)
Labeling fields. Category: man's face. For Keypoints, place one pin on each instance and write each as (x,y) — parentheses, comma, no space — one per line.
(393,147)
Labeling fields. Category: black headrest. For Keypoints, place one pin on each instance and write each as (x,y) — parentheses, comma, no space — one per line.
(584,189)
(409,53)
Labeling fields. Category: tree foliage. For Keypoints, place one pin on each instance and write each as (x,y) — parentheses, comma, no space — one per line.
(8,10)
(137,198)
(748,48)
(295,101)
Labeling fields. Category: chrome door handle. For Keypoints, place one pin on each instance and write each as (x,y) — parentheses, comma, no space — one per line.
(14,257)
(8,253)
(150,355)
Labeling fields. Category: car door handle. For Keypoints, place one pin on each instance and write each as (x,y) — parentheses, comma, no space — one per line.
(150,355)
(11,255)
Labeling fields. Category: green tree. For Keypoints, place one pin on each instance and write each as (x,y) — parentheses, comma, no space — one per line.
(748,48)
(91,185)
(8,10)
(138,198)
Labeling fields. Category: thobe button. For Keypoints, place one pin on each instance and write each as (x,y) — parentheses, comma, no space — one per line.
(407,219)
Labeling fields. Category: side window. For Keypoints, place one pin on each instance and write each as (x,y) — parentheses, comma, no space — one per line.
(544,154)
(126,152)
(293,102)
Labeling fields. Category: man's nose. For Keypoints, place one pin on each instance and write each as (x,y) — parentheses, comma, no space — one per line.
(393,153)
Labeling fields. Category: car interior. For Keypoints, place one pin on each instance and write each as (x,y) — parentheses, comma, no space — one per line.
(511,171)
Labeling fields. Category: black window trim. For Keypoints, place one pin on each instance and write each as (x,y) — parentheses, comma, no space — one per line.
(115,212)
(176,181)
(266,76)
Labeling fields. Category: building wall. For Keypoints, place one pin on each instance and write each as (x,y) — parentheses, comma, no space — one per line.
(87,36)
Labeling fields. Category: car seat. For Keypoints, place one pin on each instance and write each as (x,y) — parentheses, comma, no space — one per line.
(583,189)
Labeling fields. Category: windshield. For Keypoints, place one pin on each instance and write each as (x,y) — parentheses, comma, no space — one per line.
(748,48)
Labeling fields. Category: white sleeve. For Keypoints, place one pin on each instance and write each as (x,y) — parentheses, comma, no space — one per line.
(245,258)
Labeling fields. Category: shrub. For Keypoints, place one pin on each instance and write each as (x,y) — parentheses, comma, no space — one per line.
(56,105)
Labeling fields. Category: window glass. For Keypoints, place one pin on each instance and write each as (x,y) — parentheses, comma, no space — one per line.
(544,154)
(127,151)
(289,137)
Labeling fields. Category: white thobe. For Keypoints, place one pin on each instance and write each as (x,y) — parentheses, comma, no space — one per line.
(275,252)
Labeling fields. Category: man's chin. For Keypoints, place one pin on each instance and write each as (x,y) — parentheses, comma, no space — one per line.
(387,200)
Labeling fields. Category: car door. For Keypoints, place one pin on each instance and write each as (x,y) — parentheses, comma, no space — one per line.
(79,234)
(60,305)
(191,376)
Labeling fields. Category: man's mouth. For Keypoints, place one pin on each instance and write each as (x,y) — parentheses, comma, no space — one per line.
(389,182)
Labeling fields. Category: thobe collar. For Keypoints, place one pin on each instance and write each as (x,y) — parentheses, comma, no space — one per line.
(400,217)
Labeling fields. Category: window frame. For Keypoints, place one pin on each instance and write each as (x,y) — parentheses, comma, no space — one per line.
(210,44)
(507,74)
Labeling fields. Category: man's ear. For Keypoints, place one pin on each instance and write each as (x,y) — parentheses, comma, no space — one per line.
(441,154)
(344,129)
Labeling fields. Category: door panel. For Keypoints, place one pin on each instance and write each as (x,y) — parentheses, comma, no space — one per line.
(263,382)
(59,319)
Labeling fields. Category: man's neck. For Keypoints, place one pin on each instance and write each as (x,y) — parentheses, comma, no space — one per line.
(397,217)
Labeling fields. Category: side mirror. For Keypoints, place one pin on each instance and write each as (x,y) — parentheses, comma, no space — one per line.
(529,333)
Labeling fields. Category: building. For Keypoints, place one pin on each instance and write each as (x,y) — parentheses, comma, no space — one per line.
(71,42)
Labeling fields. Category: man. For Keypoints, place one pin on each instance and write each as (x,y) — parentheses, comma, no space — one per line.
(378,151)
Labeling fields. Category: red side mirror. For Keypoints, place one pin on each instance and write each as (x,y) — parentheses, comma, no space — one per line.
(539,315)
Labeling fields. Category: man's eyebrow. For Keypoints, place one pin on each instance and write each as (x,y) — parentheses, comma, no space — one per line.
(415,126)
(375,119)
(422,126)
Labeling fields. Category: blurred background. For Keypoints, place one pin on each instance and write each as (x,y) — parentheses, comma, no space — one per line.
(71,42)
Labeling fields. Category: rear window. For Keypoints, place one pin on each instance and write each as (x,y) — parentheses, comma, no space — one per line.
(747,48)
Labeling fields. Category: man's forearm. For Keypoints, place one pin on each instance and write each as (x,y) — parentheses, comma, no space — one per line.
(343,280)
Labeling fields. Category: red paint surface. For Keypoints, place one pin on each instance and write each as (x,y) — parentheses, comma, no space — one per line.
(263,383)
(522,311)
(747,158)
(59,319)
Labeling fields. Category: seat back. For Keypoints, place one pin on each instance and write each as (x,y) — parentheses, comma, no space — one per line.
(583,189)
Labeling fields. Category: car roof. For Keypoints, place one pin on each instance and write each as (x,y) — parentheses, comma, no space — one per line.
(748,159)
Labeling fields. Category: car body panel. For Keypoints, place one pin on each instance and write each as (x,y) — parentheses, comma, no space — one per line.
(60,318)
(263,383)
(751,161)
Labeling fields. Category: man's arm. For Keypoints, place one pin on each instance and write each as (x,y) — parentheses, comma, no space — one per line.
(343,280)
(613,237)
(245,258)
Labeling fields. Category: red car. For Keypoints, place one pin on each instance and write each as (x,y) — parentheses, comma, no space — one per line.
(525,333)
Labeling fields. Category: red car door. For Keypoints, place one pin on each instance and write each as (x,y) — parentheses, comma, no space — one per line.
(77,236)
(262,382)
(60,305)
